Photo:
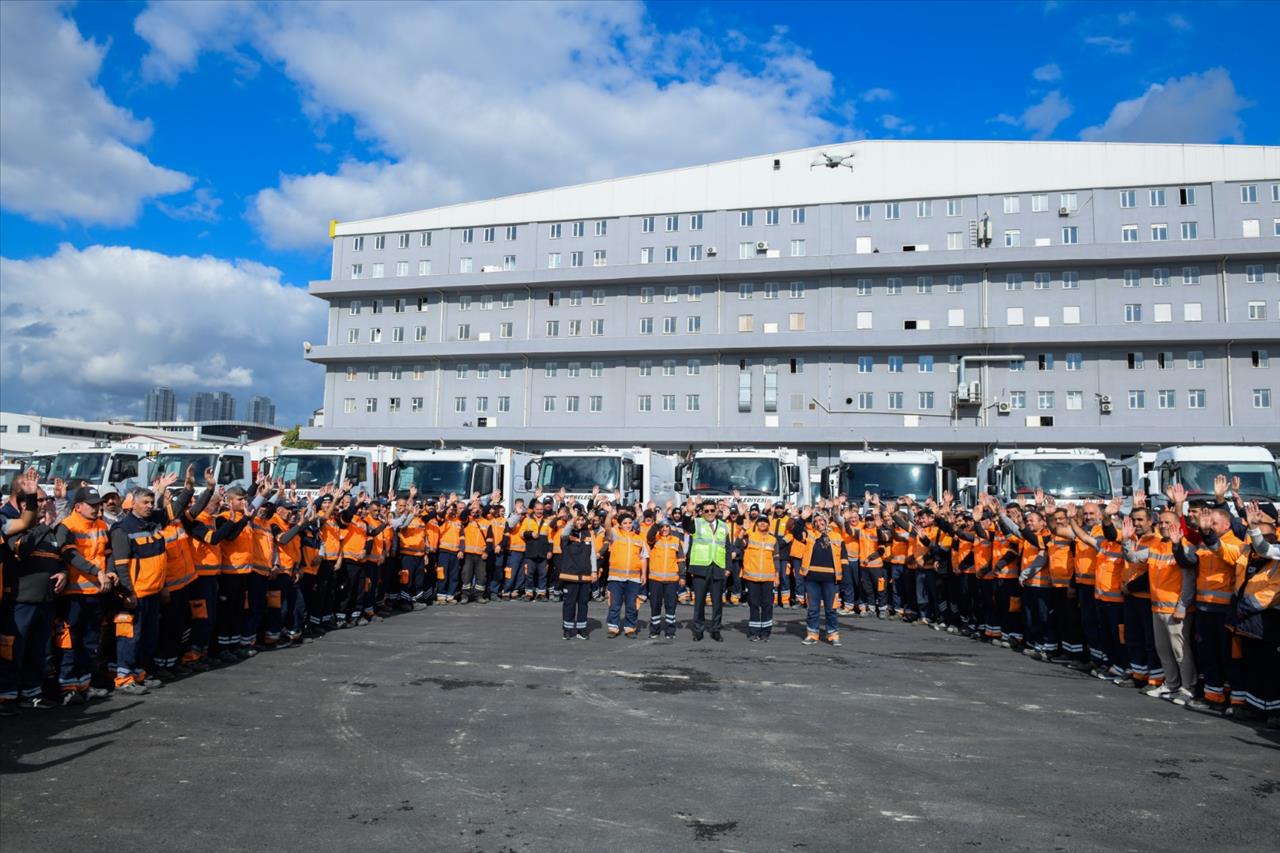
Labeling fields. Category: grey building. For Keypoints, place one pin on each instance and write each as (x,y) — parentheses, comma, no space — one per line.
(211,406)
(772,301)
(160,404)
(261,411)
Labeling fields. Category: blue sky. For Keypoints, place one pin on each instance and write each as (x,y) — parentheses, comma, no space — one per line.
(169,169)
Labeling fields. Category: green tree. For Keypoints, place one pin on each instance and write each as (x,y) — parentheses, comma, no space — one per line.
(291,439)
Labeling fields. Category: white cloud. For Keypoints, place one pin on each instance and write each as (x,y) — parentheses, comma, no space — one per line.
(203,207)
(1111,44)
(66,151)
(1178,22)
(1047,73)
(528,95)
(894,123)
(1195,108)
(85,332)
(1042,118)
(877,94)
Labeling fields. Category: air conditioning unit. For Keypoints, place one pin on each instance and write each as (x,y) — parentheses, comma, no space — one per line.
(970,392)
(711,250)
(1064,211)
(1004,407)
(762,246)
(490,268)
(1104,403)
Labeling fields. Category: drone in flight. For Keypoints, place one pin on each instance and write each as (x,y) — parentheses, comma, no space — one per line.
(832,161)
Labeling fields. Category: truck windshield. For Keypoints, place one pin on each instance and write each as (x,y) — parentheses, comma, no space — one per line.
(750,476)
(42,464)
(176,463)
(888,479)
(1062,478)
(79,466)
(309,472)
(435,477)
(579,473)
(1257,479)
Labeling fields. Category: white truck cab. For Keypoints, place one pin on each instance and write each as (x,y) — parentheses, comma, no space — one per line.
(310,470)
(1069,475)
(886,473)
(1195,467)
(110,467)
(232,466)
(642,474)
(462,471)
(759,475)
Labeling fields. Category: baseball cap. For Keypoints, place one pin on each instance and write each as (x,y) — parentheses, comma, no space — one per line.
(87,495)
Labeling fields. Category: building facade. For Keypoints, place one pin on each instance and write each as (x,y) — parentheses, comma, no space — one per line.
(951,295)
(261,411)
(211,406)
(160,404)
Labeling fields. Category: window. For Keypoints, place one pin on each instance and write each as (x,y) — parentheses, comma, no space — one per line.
(504,371)
(357,244)
(895,399)
(553,329)
(1261,358)
(1044,400)
(672,254)
(1069,201)
(673,223)
(509,262)
(1164,360)
(553,232)
(895,363)
(397,335)
(797,290)
(597,327)
(575,328)
(1249,194)
(770,290)
(693,325)
(1195,398)
(1191,312)
(399,305)
(575,259)
(1072,361)
(1187,196)
(1012,204)
(646,325)
(370,405)
(1017,366)
(602,228)
(1262,398)
(891,210)
(482,404)
(489,232)
(1045,361)
(798,249)
(1275,192)
(1128,198)
(1137,399)
(504,404)
(1195,360)
(745,290)
(955,240)
(393,403)
(1012,238)
(797,216)
(863,320)
(1160,277)
(464,265)
(377,271)
(573,370)
(353,308)
(865,364)
(415,404)
(1248,228)
(771,216)
(505,330)
(1166,398)
(1013,317)
(1135,360)
(353,336)
(599,258)
(579,229)
(348,405)
(646,295)
(668,402)
(1190,230)
(549,403)
(864,287)
(646,225)
(695,252)
(482,371)
(1162,312)
(508,300)
(1159,232)
(695,222)
(1070,281)
(924,399)
(1013,281)
(746,250)
(595,403)
(1070,235)
(645,368)
(668,325)
(795,322)
(670,294)
(1017,399)
(1128,233)
(744,322)
(375,336)
(692,403)
(1257,310)
(924,209)
(380,241)
(597,297)
(377,306)
(357,270)
(924,284)
(553,260)
(1132,278)
(862,212)
(1133,313)
(1041,281)
(1039,203)
(866,400)
(744,218)
(1075,401)
(1253,274)
(695,293)
(1155,198)
(571,403)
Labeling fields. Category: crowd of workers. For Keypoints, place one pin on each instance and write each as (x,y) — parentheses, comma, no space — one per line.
(108,592)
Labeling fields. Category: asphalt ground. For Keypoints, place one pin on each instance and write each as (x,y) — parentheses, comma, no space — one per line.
(478,728)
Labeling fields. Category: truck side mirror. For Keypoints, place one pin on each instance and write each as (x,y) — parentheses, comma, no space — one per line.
(793,478)
(680,469)
(991,478)
(1126,482)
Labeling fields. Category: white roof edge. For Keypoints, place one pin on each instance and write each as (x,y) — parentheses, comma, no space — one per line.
(882,170)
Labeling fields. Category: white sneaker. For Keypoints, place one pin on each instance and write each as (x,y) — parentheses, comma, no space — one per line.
(1158,692)
(1181,696)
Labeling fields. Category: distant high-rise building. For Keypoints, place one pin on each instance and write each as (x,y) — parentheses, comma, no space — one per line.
(211,406)
(261,410)
(161,404)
